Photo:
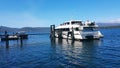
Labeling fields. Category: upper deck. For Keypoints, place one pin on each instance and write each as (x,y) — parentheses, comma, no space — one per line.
(77,24)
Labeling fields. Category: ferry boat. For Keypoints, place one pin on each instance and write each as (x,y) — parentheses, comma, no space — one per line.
(78,30)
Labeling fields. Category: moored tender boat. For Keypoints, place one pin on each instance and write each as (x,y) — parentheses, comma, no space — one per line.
(16,36)
(78,30)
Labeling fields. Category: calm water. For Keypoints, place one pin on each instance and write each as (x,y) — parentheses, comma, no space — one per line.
(40,52)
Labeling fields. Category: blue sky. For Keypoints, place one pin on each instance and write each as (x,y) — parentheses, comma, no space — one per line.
(43,13)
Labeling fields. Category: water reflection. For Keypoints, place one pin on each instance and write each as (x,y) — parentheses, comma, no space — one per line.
(76,53)
(63,42)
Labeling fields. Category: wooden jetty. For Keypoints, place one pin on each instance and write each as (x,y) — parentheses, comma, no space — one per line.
(7,37)
(60,32)
(20,37)
(16,36)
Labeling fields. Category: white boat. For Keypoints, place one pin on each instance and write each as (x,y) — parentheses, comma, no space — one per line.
(10,37)
(78,30)
(16,36)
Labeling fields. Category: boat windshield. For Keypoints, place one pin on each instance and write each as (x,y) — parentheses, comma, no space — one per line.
(90,29)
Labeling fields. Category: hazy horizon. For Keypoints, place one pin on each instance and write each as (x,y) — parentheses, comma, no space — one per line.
(43,13)
(99,24)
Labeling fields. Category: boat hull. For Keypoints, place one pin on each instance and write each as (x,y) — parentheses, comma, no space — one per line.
(80,35)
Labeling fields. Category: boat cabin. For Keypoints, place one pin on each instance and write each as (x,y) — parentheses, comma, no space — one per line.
(72,23)
(77,26)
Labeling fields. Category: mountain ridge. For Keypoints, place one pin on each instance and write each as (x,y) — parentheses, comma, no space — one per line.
(28,29)
(39,29)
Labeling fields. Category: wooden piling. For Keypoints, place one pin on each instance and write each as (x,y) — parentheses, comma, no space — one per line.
(6,39)
(60,34)
(52,31)
(72,35)
(21,39)
(68,34)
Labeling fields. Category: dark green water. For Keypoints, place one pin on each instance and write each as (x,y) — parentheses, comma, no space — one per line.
(41,52)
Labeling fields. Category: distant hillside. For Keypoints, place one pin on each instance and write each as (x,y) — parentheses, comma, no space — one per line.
(4,28)
(47,29)
(35,29)
(27,29)
(109,25)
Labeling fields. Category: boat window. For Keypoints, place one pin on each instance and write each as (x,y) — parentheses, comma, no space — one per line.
(92,24)
(73,22)
(77,22)
(63,29)
(76,29)
(89,29)
(67,23)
